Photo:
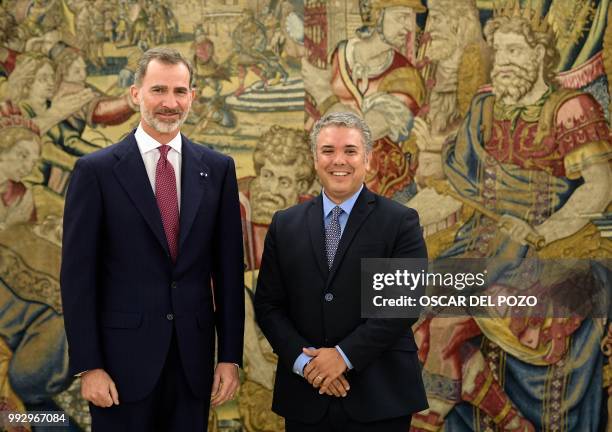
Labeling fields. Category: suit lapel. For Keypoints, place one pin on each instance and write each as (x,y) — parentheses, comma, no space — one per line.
(132,175)
(360,212)
(194,175)
(317,234)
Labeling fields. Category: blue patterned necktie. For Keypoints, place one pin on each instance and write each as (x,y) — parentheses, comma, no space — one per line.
(332,235)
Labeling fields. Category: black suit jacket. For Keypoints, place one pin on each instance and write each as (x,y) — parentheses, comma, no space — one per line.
(121,293)
(293,312)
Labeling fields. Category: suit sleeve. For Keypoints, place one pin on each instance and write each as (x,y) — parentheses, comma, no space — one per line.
(79,269)
(372,338)
(228,272)
(271,305)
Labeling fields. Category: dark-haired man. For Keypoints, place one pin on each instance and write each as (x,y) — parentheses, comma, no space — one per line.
(151,231)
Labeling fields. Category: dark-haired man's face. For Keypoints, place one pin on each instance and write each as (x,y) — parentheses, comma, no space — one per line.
(275,188)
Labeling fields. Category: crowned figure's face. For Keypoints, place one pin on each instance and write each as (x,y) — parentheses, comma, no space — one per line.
(516,66)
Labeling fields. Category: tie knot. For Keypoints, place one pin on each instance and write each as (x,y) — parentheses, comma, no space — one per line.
(163,150)
(336,212)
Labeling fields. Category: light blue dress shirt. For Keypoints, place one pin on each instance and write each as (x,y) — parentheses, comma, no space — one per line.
(328,205)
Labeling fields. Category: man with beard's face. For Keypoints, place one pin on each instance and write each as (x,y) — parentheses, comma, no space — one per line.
(443,39)
(516,68)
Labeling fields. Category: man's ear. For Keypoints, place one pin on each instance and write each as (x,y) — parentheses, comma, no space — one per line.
(134,94)
(368,157)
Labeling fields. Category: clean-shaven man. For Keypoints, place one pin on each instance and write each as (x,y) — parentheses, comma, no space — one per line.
(338,371)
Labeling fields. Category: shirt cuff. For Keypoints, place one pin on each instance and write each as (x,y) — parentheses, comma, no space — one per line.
(349,365)
(301,362)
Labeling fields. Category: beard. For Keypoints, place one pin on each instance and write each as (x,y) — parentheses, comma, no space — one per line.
(514,81)
(264,203)
(160,125)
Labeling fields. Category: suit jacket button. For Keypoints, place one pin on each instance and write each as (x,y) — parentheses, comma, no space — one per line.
(329,297)
(169,317)
(173,284)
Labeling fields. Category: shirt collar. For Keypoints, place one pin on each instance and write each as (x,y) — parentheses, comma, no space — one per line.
(347,205)
(146,142)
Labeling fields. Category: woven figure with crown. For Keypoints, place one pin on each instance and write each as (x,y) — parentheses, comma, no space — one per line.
(535,159)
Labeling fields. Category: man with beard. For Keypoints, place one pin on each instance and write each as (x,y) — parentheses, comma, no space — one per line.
(151,228)
(538,158)
(283,175)
(372,75)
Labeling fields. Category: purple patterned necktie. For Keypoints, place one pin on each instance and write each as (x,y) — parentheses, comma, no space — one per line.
(167,199)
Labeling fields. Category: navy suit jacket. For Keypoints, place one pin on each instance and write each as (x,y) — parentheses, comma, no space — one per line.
(299,302)
(122,294)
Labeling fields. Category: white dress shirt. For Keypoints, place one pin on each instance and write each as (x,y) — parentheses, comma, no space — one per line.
(150,156)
